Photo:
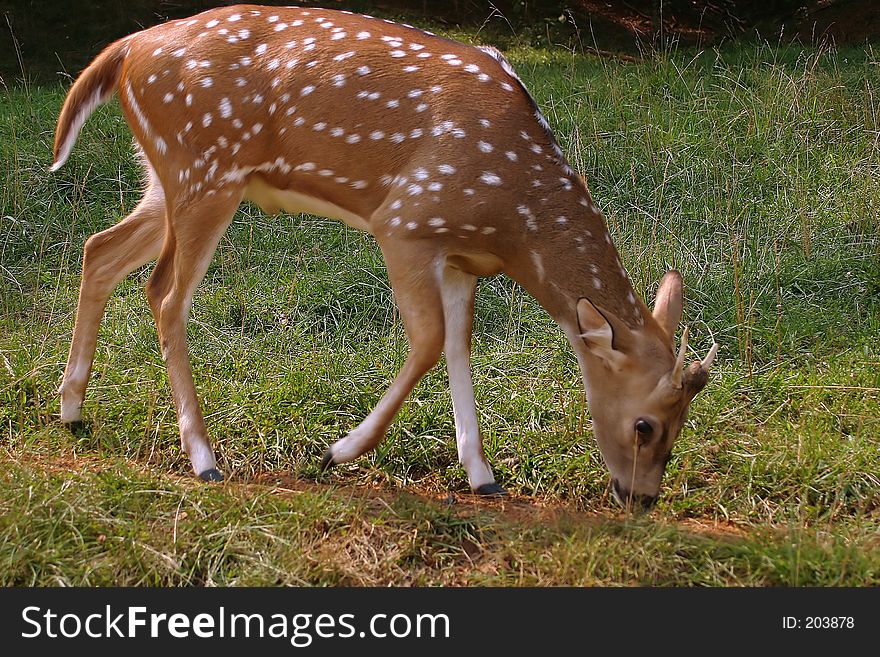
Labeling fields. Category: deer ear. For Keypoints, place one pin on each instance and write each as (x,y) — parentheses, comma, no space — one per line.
(597,332)
(667,308)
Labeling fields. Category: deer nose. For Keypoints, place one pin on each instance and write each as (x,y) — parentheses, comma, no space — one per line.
(632,501)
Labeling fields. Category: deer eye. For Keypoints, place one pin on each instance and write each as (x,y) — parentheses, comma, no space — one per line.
(644,430)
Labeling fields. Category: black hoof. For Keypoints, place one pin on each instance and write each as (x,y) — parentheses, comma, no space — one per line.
(76,425)
(327,461)
(491,490)
(79,428)
(211,475)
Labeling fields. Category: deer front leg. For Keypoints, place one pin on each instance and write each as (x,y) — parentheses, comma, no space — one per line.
(414,277)
(189,245)
(458,291)
(108,257)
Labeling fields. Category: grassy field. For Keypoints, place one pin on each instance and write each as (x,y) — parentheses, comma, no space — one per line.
(754,170)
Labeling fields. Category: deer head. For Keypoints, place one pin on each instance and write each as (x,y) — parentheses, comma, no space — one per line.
(639,391)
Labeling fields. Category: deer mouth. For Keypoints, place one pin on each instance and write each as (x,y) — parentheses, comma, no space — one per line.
(631,501)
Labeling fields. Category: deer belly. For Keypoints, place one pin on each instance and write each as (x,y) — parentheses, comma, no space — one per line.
(272,200)
(476,263)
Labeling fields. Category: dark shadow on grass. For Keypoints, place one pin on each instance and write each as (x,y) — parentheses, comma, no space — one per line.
(513,509)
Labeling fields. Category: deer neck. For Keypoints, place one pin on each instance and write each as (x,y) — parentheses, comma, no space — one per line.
(574,259)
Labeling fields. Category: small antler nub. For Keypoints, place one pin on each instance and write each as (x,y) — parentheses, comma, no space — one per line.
(706,363)
(678,370)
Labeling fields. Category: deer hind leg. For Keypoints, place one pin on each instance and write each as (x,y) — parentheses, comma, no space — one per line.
(192,237)
(414,277)
(458,291)
(108,257)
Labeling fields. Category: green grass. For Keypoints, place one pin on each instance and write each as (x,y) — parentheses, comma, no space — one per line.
(753,170)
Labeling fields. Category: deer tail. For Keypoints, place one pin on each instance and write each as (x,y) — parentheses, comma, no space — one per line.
(94,87)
